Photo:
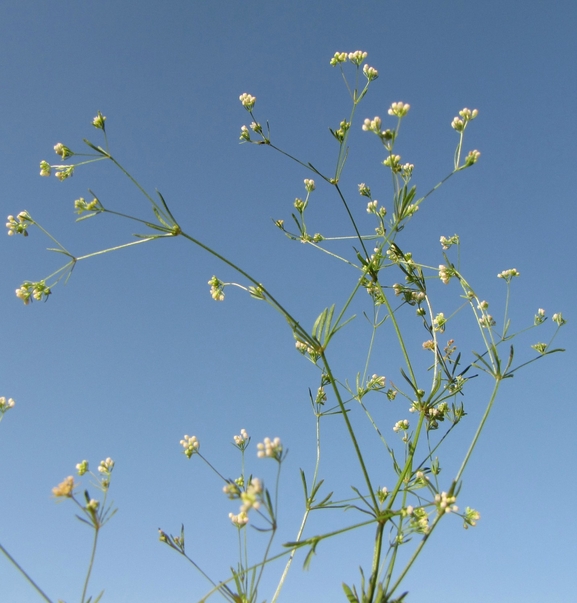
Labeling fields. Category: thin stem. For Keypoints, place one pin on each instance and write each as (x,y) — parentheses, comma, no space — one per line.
(305,516)
(212,467)
(371,343)
(305,165)
(351,431)
(293,322)
(23,572)
(51,238)
(135,182)
(359,237)
(478,432)
(90,565)
(90,255)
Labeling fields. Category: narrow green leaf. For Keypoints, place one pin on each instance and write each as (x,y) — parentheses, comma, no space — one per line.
(352,598)
(304,481)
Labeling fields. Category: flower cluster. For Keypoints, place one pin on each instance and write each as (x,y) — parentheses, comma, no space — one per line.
(64,489)
(309,185)
(466,115)
(373,125)
(420,520)
(270,449)
(339,134)
(472,158)
(190,445)
(216,289)
(62,150)
(364,190)
(399,109)
(19,224)
(30,291)
(338,58)
(445,273)
(402,425)
(45,168)
(239,520)
(407,171)
(394,162)
(64,172)
(376,382)
(558,319)
(540,347)
(105,469)
(241,441)
(98,121)
(247,101)
(372,209)
(487,321)
(444,503)
(6,405)
(507,275)
(106,466)
(81,205)
(306,349)
(370,73)
(439,322)
(447,242)
(357,57)
(539,317)
(82,468)
(470,518)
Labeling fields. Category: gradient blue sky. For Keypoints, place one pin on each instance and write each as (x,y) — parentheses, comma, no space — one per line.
(133,353)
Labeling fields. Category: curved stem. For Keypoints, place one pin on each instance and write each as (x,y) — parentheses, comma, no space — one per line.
(293,322)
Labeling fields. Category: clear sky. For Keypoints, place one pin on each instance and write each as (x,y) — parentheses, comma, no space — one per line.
(133,353)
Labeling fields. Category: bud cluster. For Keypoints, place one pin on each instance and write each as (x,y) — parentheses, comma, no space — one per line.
(19,224)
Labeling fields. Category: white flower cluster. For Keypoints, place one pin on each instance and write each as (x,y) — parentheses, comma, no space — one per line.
(106,466)
(190,445)
(247,101)
(270,449)
(507,275)
(19,224)
(402,425)
(445,503)
(6,404)
(399,109)
(241,440)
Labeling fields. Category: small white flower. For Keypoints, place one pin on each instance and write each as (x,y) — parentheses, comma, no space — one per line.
(399,109)
(247,101)
(190,445)
(270,449)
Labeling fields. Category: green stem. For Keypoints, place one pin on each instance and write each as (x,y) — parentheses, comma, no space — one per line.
(305,516)
(23,572)
(478,432)
(90,565)
(91,255)
(135,182)
(359,237)
(376,561)
(351,431)
(455,482)
(293,322)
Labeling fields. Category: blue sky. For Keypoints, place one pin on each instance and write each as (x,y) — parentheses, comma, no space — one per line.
(133,353)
